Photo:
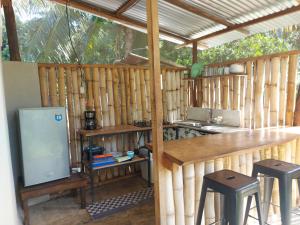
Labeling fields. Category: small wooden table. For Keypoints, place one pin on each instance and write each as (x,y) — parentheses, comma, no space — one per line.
(75,181)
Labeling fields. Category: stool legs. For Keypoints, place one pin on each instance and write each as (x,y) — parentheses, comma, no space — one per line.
(268,182)
(258,208)
(236,210)
(202,203)
(285,193)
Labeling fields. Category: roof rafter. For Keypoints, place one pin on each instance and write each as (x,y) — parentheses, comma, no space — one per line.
(127,5)
(98,11)
(204,14)
(248,23)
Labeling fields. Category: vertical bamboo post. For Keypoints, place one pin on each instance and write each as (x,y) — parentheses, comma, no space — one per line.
(123,97)
(138,95)
(53,87)
(212,93)
(253,95)
(89,81)
(189,194)
(274,91)
(178,95)
(61,86)
(267,95)
(199,174)
(178,194)
(169,96)
(209,203)
(96,95)
(164,94)
(82,95)
(170,208)
(242,98)
(231,91)
(204,90)
(104,105)
(76,108)
(43,86)
(71,116)
(182,96)
(143,94)
(185,102)
(275,194)
(116,97)
(258,95)
(133,94)
(236,93)
(291,90)
(249,163)
(217,90)
(128,96)
(282,89)
(148,100)
(225,93)
(248,98)
(110,99)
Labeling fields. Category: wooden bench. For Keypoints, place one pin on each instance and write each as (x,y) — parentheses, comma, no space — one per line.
(75,181)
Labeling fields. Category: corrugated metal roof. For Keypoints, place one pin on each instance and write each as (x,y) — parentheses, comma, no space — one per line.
(181,22)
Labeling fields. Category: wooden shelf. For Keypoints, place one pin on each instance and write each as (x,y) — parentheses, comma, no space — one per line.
(136,159)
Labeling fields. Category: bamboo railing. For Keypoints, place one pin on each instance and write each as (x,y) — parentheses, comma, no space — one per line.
(265,94)
(119,94)
(183,183)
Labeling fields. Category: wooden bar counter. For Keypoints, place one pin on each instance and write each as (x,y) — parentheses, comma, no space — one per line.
(186,161)
(210,147)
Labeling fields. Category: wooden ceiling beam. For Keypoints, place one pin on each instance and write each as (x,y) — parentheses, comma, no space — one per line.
(248,23)
(202,13)
(126,6)
(98,11)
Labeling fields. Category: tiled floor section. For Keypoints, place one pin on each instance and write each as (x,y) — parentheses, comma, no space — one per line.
(65,211)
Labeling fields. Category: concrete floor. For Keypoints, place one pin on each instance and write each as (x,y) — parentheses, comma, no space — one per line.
(66,210)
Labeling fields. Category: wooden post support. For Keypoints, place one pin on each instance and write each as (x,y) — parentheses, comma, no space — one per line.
(11,29)
(157,111)
(195,51)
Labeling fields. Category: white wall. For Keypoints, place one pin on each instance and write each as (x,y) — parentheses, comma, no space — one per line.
(8,205)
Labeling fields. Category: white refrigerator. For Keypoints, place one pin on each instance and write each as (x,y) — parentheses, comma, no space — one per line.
(44,144)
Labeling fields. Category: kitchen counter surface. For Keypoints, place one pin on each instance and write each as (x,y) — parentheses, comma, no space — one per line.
(209,147)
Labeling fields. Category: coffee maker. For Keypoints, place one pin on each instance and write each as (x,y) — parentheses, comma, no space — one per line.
(90,120)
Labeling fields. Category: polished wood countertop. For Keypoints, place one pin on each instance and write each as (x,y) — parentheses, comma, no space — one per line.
(209,147)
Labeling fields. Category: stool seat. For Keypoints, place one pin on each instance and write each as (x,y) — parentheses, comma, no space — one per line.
(228,180)
(285,172)
(275,168)
(234,187)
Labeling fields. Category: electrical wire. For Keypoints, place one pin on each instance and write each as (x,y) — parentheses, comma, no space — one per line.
(72,45)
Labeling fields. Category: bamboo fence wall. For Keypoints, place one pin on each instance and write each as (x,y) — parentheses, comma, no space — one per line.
(183,183)
(265,95)
(119,95)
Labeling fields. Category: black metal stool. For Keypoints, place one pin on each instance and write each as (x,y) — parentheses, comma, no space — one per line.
(285,172)
(234,186)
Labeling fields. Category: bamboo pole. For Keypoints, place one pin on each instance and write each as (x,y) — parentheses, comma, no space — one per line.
(225,93)
(249,163)
(148,99)
(43,86)
(143,94)
(53,87)
(133,94)
(275,194)
(123,97)
(267,93)
(61,86)
(89,81)
(185,102)
(82,97)
(76,108)
(209,203)
(199,174)
(242,99)
(248,98)
(170,209)
(96,95)
(274,91)
(212,93)
(231,92)
(103,91)
(164,95)
(258,95)
(174,96)
(128,96)
(169,97)
(291,90)
(236,93)
(71,116)
(178,194)
(204,93)
(253,95)
(217,95)
(178,95)
(189,194)
(110,99)
(282,90)
(138,95)
(182,96)
(116,97)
